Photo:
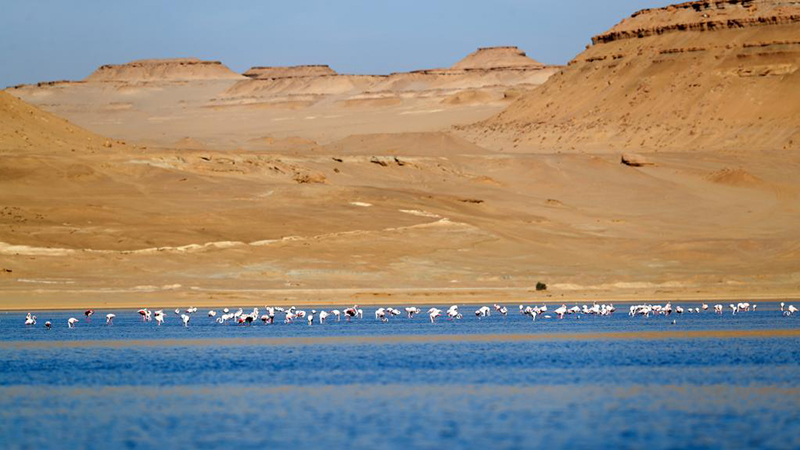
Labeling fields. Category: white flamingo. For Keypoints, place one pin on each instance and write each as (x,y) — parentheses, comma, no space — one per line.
(185,318)
(48,325)
(433,313)
(71,322)
(411,311)
(212,314)
(561,311)
(483,311)
(159,316)
(322,316)
(30,320)
(452,313)
(110,319)
(380,314)
(145,314)
(310,317)
(336,313)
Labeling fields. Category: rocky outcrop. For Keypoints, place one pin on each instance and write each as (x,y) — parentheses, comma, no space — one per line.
(702,16)
(267,73)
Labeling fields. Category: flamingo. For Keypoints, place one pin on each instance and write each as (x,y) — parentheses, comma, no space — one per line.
(433,313)
(212,314)
(159,315)
(561,311)
(411,311)
(310,317)
(48,325)
(337,314)
(351,312)
(71,322)
(110,319)
(483,311)
(322,316)
(718,309)
(185,318)
(501,309)
(734,308)
(530,312)
(269,317)
(452,313)
(88,313)
(705,307)
(790,310)
(380,314)
(30,320)
(145,314)
(679,310)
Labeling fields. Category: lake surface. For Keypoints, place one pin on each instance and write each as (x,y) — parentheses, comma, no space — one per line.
(707,381)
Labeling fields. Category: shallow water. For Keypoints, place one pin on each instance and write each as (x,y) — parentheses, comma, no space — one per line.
(595,382)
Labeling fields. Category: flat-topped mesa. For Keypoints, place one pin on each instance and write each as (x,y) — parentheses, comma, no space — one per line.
(276,72)
(485,58)
(706,15)
(174,69)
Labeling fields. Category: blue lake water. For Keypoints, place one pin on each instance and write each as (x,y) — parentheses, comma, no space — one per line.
(707,381)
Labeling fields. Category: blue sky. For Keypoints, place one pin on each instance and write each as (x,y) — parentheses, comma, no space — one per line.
(44,40)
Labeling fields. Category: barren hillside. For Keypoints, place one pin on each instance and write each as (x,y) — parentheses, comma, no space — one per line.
(719,75)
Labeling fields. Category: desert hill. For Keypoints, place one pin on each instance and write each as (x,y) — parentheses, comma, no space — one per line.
(719,75)
(164,102)
(163,69)
(496,57)
(309,189)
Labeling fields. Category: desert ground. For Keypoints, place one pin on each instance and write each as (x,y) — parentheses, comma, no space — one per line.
(661,163)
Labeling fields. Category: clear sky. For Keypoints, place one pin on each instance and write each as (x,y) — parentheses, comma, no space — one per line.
(43,40)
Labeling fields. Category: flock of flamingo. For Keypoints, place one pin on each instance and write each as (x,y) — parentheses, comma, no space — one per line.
(383,314)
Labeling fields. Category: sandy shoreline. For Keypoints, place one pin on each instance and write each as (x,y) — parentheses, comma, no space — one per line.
(83,299)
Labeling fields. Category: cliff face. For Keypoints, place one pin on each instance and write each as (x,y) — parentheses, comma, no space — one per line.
(484,68)
(272,72)
(163,69)
(707,75)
